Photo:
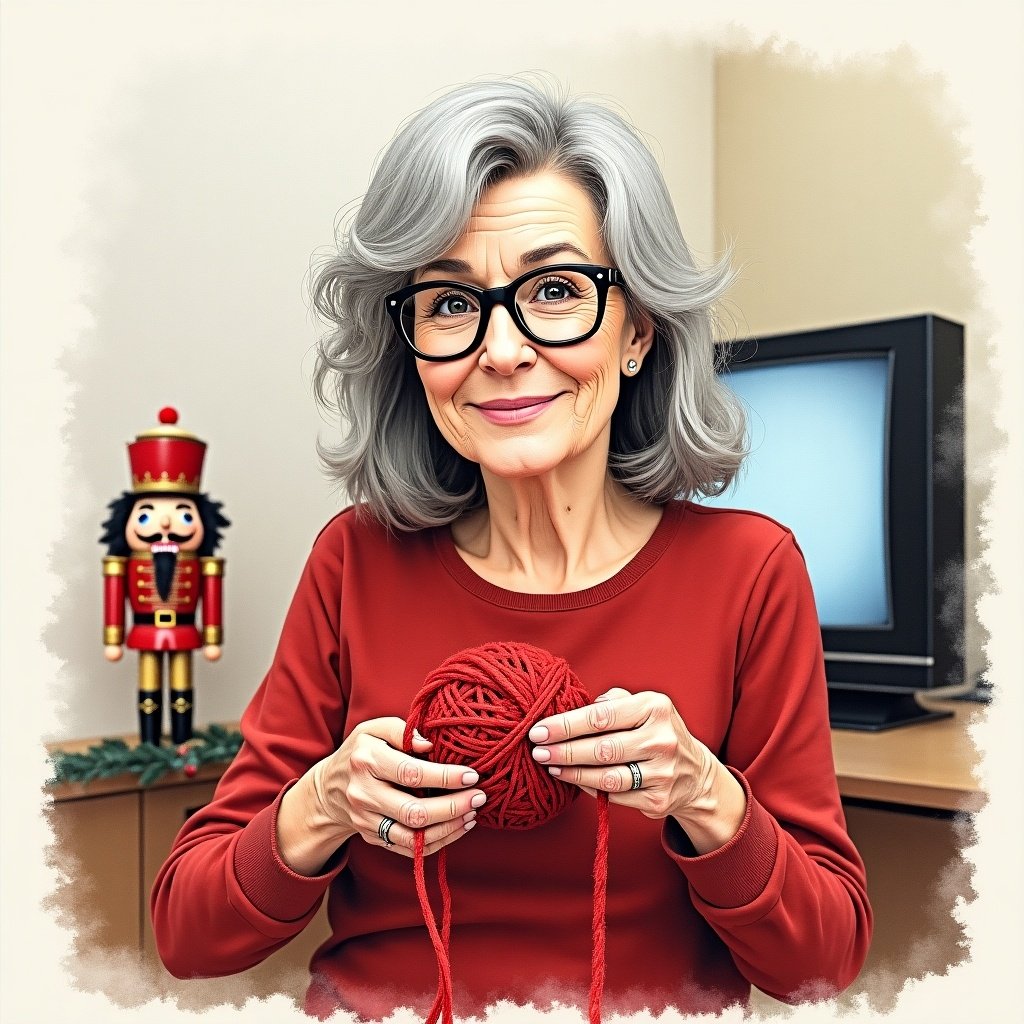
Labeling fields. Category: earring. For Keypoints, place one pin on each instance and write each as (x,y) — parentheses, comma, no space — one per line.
(632,366)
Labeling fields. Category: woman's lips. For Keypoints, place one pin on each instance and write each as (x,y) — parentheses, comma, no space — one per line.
(515,410)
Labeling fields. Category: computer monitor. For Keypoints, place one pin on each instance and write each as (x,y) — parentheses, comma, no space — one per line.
(857,446)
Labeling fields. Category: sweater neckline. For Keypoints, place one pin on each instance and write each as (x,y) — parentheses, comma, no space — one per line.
(646,557)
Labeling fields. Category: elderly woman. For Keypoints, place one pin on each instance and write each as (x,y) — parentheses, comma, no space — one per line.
(522,354)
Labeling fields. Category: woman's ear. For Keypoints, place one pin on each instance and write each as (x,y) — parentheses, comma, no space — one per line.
(643,337)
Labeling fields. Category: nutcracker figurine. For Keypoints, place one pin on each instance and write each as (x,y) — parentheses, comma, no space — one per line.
(160,540)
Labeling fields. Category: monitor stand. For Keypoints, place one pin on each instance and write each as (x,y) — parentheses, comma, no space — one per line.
(875,710)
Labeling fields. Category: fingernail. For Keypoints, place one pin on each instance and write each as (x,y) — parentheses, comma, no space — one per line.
(554,770)
(469,816)
(479,800)
(541,754)
(469,825)
(539,733)
(470,778)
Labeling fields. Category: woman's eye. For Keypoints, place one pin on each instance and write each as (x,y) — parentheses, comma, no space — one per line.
(186,517)
(553,292)
(454,305)
(143,519)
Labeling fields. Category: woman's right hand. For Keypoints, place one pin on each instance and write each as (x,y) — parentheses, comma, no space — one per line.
(368,778)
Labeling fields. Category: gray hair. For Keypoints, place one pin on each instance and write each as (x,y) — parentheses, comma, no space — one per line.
(676,430)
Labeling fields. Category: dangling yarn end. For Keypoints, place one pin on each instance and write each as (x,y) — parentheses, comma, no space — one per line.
(597,960)
(442,1006)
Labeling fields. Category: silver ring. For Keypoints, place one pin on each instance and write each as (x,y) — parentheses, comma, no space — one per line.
(634,770)
(384,830)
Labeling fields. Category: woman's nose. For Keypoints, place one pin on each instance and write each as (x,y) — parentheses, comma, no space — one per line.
(165,522)
(505,348)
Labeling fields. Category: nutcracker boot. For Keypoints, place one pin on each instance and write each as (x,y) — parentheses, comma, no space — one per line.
(181,696)
(150,710)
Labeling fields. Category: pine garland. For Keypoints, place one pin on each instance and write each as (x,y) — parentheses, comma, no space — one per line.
(150,762)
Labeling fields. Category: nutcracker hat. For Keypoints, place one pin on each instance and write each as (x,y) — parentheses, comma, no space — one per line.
(166,458)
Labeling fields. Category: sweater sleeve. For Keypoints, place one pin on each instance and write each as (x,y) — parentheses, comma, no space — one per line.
(224,900)
(787,893)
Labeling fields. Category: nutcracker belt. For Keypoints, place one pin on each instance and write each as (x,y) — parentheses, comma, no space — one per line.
(168,618)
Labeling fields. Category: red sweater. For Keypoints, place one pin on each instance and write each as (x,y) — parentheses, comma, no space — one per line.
(717,612)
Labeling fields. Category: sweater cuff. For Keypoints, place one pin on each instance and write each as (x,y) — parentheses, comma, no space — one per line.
(735,874)
(267,883)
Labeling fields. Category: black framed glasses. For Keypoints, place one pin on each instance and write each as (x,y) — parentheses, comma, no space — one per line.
(558,305)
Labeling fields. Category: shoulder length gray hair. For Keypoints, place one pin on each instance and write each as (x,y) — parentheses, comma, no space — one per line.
(676,431)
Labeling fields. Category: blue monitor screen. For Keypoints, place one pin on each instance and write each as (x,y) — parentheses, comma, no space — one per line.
(818,435)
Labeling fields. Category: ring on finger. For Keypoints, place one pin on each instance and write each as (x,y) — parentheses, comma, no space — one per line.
(634,770)
(384,830)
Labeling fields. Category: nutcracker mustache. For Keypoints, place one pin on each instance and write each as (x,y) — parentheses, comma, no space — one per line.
(155,538)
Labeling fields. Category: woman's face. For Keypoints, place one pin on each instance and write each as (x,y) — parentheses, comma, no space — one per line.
(575,387)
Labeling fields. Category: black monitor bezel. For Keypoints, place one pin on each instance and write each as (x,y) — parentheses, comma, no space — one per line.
(922,646)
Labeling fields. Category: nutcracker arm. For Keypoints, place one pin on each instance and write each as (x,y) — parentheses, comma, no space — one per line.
(114,569)
(212,570)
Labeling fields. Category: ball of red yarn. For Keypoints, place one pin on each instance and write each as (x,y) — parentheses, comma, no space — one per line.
(477,708)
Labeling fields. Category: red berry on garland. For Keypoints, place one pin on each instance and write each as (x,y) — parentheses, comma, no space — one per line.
(190,770)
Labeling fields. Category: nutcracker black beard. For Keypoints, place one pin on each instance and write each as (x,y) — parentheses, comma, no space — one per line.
(164,564)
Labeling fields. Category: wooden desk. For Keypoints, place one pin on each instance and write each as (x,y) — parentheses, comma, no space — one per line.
(928,765)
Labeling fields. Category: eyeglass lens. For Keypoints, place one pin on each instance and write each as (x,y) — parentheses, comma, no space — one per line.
(559,306)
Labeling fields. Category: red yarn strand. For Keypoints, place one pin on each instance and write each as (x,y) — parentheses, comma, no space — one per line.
(442,1006)
(446,926)
(597,959)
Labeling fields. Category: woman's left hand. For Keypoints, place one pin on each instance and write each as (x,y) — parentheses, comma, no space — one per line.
(594,746)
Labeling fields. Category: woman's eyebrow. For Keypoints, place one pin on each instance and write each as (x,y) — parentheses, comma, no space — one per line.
(545,252)
(449,266)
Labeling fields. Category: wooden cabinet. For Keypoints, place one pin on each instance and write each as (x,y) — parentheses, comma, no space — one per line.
(110,838)
(916,873)
(97,845)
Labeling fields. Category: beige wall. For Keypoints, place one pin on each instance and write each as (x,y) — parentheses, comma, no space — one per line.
(212,175)
(848,199)
(201,174)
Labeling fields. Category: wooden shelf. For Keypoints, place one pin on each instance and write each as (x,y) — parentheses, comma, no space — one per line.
(128,782)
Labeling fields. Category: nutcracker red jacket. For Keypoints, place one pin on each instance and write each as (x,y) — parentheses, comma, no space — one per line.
(716,611)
